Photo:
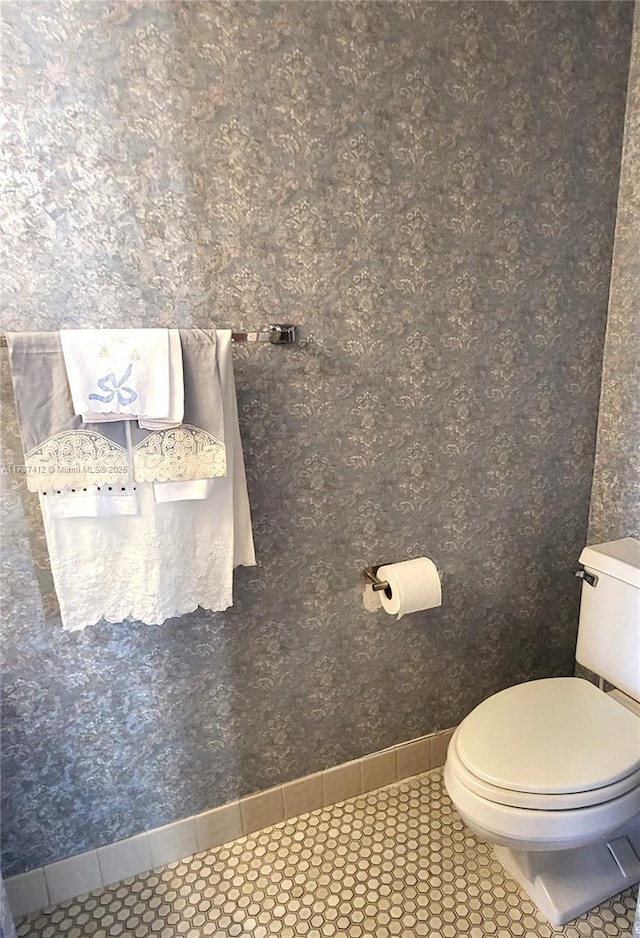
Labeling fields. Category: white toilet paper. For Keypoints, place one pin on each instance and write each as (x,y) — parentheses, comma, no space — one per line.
(371,599)
(413,585)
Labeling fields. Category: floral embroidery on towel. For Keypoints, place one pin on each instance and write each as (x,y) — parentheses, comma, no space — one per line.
(178,454)
(124,394)
(75,457)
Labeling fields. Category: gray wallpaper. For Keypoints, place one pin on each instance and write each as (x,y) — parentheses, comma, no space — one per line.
(429,190)
(615,497)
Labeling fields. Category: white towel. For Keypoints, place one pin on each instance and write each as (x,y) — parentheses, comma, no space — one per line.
(196,449)
(92,501)
(125,374)
(168,559)
(176,389)
(181,491)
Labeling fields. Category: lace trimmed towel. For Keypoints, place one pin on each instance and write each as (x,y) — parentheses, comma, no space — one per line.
(61,451)
(196,449)
(125,374)
(168,559)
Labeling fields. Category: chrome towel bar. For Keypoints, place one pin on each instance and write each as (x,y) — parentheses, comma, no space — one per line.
(275,333)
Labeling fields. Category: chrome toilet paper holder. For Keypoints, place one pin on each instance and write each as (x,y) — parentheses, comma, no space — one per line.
(370,575)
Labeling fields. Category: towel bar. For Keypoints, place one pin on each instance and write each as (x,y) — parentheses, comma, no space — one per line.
(276,334)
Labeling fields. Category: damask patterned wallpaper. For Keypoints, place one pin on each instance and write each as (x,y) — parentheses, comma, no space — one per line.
(615,497)
(429,190)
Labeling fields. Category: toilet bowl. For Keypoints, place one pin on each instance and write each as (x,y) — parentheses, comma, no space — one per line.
(552,763)
(550,772)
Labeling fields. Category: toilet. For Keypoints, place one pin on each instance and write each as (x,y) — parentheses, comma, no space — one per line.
(549,771)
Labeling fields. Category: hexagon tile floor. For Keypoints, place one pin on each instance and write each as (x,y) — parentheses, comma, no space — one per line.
(397,861)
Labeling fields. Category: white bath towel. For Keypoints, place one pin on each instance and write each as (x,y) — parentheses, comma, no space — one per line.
(125,374)
(168,559)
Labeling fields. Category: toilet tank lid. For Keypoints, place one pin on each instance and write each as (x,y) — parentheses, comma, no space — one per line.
(619,559)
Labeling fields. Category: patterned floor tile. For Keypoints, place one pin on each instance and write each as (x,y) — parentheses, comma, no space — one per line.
(395,862)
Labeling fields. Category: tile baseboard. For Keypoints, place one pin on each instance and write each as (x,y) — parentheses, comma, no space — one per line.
(66,879)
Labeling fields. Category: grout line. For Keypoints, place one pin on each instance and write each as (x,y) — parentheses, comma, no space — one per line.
(102,877)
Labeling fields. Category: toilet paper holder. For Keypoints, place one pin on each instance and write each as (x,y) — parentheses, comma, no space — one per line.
(370,575)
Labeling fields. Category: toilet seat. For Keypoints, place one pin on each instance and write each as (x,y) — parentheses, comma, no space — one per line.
(549,765)
(536,800)
(552,744)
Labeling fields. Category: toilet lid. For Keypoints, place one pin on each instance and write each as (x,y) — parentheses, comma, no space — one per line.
(554,736)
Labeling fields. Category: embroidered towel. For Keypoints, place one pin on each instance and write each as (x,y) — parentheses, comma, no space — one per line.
(95,501)
(60,449)
(125,374)
(196,449)
(168,559)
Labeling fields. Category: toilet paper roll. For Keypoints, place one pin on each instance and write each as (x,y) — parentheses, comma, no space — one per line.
(371,600)
(413,585)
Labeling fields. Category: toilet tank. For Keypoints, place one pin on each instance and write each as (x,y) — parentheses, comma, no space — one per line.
(609,627)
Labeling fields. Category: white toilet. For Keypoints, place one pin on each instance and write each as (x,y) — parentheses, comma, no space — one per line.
(549,771)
